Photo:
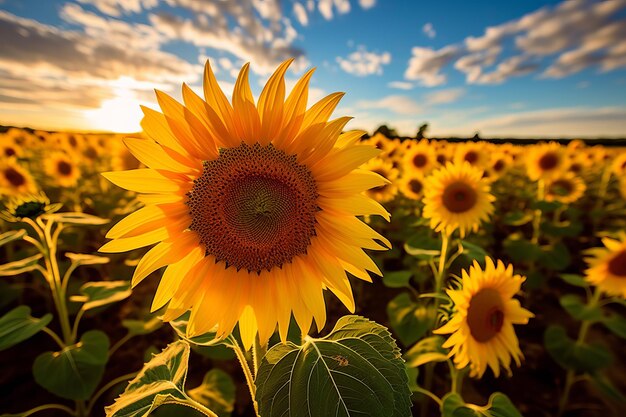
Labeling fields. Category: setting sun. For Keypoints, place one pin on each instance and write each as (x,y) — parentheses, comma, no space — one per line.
(121,114)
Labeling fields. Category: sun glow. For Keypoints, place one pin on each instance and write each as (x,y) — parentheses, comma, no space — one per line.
(120,114)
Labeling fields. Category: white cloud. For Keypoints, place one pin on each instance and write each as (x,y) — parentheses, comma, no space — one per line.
(426,63)
(119,7)
(362,62)
(367,4)
(429,30)
(300,12)
(326,7)
(400,85)
(394,103)
(444,96)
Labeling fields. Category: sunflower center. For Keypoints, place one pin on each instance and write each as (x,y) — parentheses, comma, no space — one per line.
(484,315)
(30,209)
(459,197)
(617,265)
(561,187)
(471,157)
(14,177)
(548,161)
(441,159)
(9,151)
(90,152)
(623,166)
(576,168)
(420,160)
(499,165)
(64,168)
(416,186)
(254,207)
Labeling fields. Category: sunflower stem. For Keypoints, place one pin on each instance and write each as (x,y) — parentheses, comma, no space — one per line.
(541,188)
(234,345)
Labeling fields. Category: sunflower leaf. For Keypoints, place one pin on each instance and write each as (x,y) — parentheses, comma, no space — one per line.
(499,405)
(356,370)
(575,280)
(426,350)
(180,327)
(216,392)
(102,293)
(408,319)
(11,236)
(21,266)
(75,218)
(616,324)
(581,357)
(578,310)
(397,279)
(18,325)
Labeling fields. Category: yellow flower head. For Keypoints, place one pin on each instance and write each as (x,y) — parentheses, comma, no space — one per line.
(9,147)
(411,185)
(387,191)
(457,197)
(28,206)
(61,169)
(619,165)
(481,327)
(607,266)
(14,178)
(252,206)
(420,158)
(474,153)
(545,161)
(565,188)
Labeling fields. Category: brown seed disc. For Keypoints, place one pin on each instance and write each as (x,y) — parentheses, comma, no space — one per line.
(617,265)
(64,168)
(548,161)
(420,160)
(459,197)
(484,315)
(561,187)
(254,207)
(471,157)
(14,177)
(416,186)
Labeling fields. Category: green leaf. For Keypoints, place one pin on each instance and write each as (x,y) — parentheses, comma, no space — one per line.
(397,279)
(12,235)
(75,218)
(408,319)
(217,392)
(546,206)
(101,293)
(180,327)
(562,229)
(141,327)
(426,350)
(422,245)
(499,405)
(575,280)
(354,371)
(86,259)
(473,252)
(579,310)
(518,218)
(21,266)
(18,325)
(521,250)
(555,257)
(161,381)
(75,372)
(616,324)
(9,292)
(608,390)
(571,355)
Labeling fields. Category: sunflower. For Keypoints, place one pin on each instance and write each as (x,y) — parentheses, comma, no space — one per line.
(499,163)
(387,191)
(457,197)
(474,153)
(411,185)
(420,158)
(14,178)
(619,165)
(481,326)
(607,266)
(545,161)
(253,207)
(28,206)
(10,148)
(63,171)
(566,188)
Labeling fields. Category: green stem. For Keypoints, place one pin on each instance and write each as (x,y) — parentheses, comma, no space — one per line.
(48,407)
(119,343)
(79,316)
(54,336)
(80,409)
(429,395)
(258,352)
(234,345)
(107,387)
(541,186)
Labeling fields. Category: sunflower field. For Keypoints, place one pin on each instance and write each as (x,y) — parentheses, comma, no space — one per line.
(182,271)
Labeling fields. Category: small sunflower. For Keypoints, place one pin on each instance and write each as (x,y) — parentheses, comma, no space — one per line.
(481,327)
(420,158)
(457,197)
(545,161)
(499,164)
(61,169)
(411,185)
(14,178)
(474,153)
(252,206)
(28,206)
(607,266)
(387,191)
(619,165)
(10,148)
(565,188)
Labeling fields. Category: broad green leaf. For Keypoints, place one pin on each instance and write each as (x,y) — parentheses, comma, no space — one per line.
(21,266)
(408,319)
(75,372)
(426,350)
(579,310)
(608,390)
(75,218)
(101,293)
(576,280)
(555,257)
(422,245)
(616,324)
(86,259)
(472,252)
(562,229)
(180,327)
(217,392)
(18,325)
(499,405)
(546,206)
(354,371)
(161,381)
(580,357)
(518,218)
(397,279)
(521,250)
(141,327)
(12,235)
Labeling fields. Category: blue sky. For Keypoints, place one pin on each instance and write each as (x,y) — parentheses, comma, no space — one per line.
(519,68)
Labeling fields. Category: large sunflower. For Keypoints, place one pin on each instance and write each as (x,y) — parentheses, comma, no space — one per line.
(14,178)
(253,207)
(607,266)
(545,161)
(482,325)
(457,197)
(565,188)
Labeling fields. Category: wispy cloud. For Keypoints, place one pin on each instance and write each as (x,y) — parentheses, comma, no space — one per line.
(394,103)
(363,62)
(429,30)
(444,96)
